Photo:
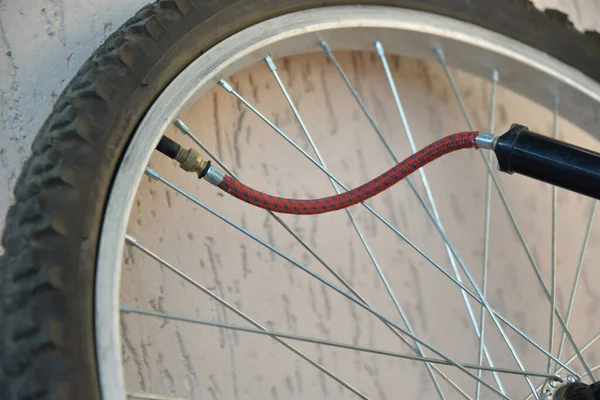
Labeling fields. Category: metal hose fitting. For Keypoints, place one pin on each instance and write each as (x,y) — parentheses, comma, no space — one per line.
(486,141)
(191,161)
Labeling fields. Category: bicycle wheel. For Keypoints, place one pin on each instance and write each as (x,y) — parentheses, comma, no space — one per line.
(66,235)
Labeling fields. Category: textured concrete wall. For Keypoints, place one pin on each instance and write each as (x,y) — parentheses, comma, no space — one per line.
(44,42)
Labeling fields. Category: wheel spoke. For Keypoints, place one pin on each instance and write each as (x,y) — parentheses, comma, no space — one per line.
(553,246)
(458,97)
(451,250)
(230,89)
(185,130)
(335,179)
(132,310)
(347,295)
(578,273)
(380,272)
(225,85)
(486,228)
(238,312)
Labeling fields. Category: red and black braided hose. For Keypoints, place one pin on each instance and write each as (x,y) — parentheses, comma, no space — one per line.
(518,150)
(457,141)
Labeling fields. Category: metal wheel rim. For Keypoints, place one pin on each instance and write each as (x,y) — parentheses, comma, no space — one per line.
(296,33)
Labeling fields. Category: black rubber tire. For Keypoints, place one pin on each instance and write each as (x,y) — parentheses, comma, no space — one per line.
(51,235)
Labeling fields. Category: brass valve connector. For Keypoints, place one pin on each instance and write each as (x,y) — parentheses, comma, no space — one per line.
(191,161)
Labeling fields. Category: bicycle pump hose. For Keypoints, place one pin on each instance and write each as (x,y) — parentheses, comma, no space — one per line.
(517,151)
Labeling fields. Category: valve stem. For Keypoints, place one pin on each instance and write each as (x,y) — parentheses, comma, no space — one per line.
(189,160)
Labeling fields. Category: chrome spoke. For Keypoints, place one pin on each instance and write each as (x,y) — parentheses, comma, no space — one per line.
(347,295)
(334,178)
(578,273)
(458,97)
(486,228)
(435,219)
(185,130)
(362,106)
(449,248)
(238,312)
(132,310)
(553,246)
(329,174)
(380,272)
(230,89)
(225,85)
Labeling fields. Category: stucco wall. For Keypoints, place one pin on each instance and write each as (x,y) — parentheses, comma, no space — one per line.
(44,42)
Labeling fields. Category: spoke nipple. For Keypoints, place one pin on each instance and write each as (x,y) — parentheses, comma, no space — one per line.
(182,127)
(495,75)
(131,239)
(555,100)
(152,173)
(379,48)
(439,53)
(324,45)
(270,63)
(225,85)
